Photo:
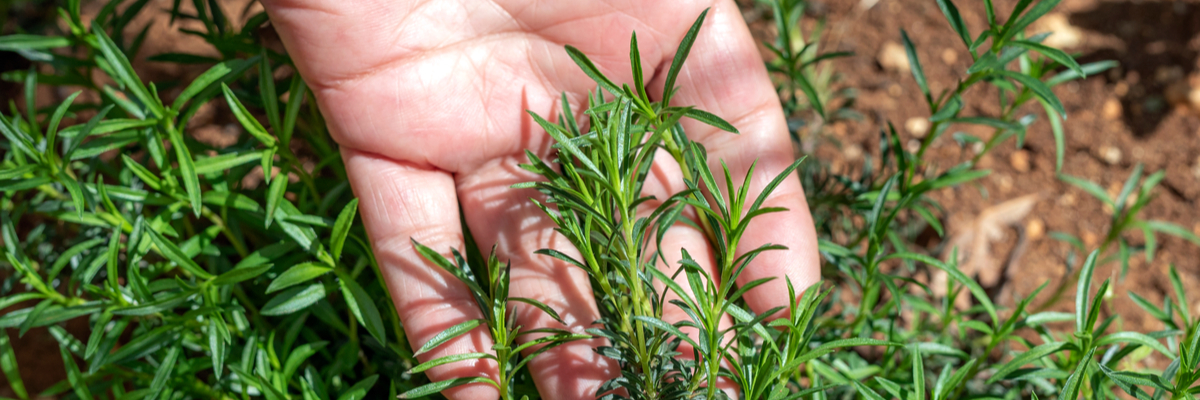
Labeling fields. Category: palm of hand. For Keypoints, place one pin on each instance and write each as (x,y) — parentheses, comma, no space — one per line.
(427,100)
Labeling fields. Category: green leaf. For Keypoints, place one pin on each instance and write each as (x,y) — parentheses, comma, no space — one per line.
(1057,55)
(173,253)
(829,347)
(539,305)
(164,372)
(918,371)
(363,307)
(97,335)
(681,54)
(21,42)
(18,171)
(114,252)
(359,390)
(980,295)
(1074,382)
(8,363)
(1088,69)
(266,89)
(1180,295)
(142,173)
(938,348)
(1135,338)
(294,299)
(635,63)
(1012,28)
(247,119)
(709,118)
(1087,186)
(1025,358)
(187,168)
(56,118)
(275,194)
(76,379)
(216,344)
(810,93)
(213,74)
(341,228)
(300,273)
(1173,230)
(448,334)
(591,70)
(1130,184)
(915,63)
(123,72)
(865,391)
(266,255)
(956,21)
(297,357)
(1082,290)
(1056,127)
(237,275)
(23,184)
(447,360)
(947,111)
(218,164)
(1038,88)
(76,193)
(160,304)
(296,94)
(33,316)
(668,328)
(435,387)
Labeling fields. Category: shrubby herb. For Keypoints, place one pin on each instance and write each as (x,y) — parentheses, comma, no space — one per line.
(197,283)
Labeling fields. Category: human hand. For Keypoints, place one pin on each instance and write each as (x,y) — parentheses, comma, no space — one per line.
(427,100)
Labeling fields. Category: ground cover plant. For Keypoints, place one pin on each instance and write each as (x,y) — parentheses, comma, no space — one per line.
(197,281)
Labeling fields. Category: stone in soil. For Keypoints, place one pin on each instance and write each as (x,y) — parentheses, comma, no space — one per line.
(893,57)
(917,126)
(1019,160)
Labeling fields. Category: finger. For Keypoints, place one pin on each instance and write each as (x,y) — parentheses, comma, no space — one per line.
(664,180)
(400,202)
(506,218)
(724,75)
(419,80)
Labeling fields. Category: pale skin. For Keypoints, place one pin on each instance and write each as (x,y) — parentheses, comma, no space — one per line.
(427,100)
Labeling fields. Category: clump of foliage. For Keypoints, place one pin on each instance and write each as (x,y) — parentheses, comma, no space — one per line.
(197,283)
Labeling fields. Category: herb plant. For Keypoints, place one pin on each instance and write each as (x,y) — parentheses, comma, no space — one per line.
(240,272)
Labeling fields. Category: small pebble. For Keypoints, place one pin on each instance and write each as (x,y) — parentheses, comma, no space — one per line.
(917,126)
(1067,200)
(1121,88)
(1111,110)
(1005,182)
(1019,160)
(1090,240)
(893,57)
(1194,98)
(852,152)
(1065,35)
(949,56)
(1110,154)
(1035,229)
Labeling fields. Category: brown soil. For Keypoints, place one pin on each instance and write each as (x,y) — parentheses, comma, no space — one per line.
(1136,113)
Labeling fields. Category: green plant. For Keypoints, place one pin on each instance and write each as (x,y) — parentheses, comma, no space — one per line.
(193,283)
(197,282)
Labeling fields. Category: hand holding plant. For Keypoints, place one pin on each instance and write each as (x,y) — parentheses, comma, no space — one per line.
(429,107)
